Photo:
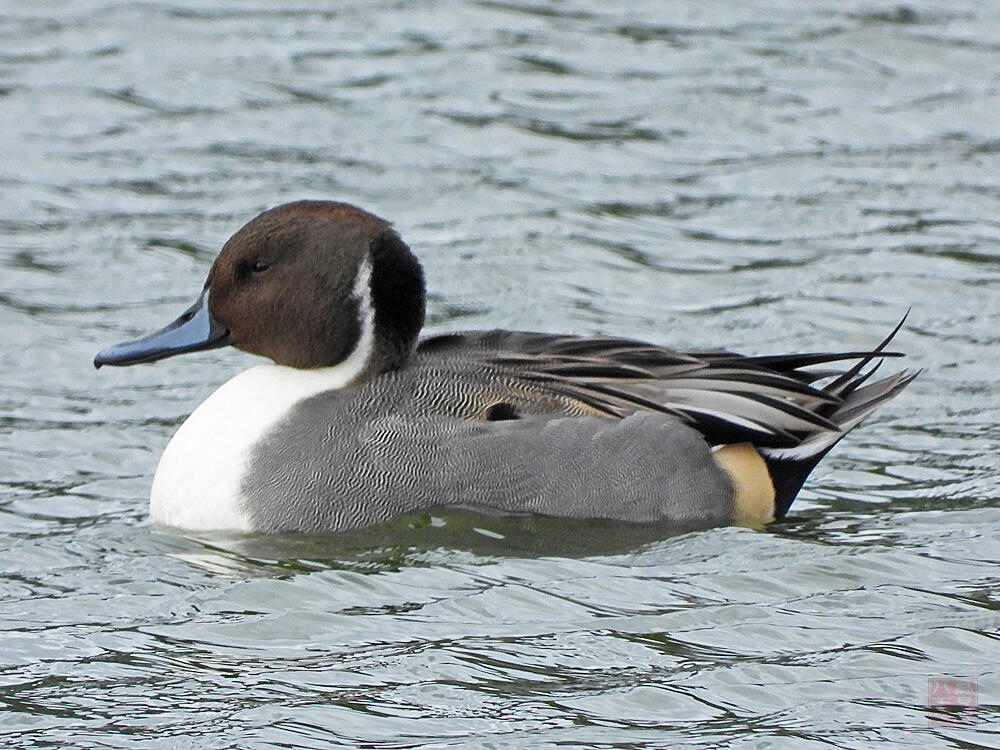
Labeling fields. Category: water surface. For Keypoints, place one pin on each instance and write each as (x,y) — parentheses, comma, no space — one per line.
(765,176)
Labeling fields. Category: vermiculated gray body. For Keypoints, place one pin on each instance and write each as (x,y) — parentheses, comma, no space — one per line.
(422,437)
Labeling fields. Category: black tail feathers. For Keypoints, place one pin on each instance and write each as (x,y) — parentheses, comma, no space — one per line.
(855,401)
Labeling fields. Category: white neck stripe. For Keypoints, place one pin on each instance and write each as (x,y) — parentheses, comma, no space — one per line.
(359,359)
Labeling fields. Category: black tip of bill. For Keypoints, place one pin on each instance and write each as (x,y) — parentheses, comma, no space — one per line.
(193,331)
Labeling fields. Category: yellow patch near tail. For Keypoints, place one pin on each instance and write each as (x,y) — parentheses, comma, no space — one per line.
(753,490)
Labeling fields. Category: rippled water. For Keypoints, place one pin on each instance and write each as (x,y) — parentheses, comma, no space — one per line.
(766,176)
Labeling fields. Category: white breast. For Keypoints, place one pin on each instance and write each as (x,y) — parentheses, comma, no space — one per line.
(197,482)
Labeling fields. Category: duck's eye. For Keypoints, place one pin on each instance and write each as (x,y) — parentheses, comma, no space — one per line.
(259,266)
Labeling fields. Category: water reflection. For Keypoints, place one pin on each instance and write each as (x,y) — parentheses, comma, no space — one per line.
(413,540)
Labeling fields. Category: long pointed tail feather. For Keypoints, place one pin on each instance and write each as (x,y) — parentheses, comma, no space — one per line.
(789,467)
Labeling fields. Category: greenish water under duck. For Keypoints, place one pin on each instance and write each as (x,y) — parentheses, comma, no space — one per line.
(764,176)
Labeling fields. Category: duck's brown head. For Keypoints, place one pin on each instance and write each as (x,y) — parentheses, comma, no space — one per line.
(307,284)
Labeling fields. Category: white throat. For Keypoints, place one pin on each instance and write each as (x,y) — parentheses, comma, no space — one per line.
(197,482)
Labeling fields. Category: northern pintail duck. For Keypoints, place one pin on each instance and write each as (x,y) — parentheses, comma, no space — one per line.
(358,421)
